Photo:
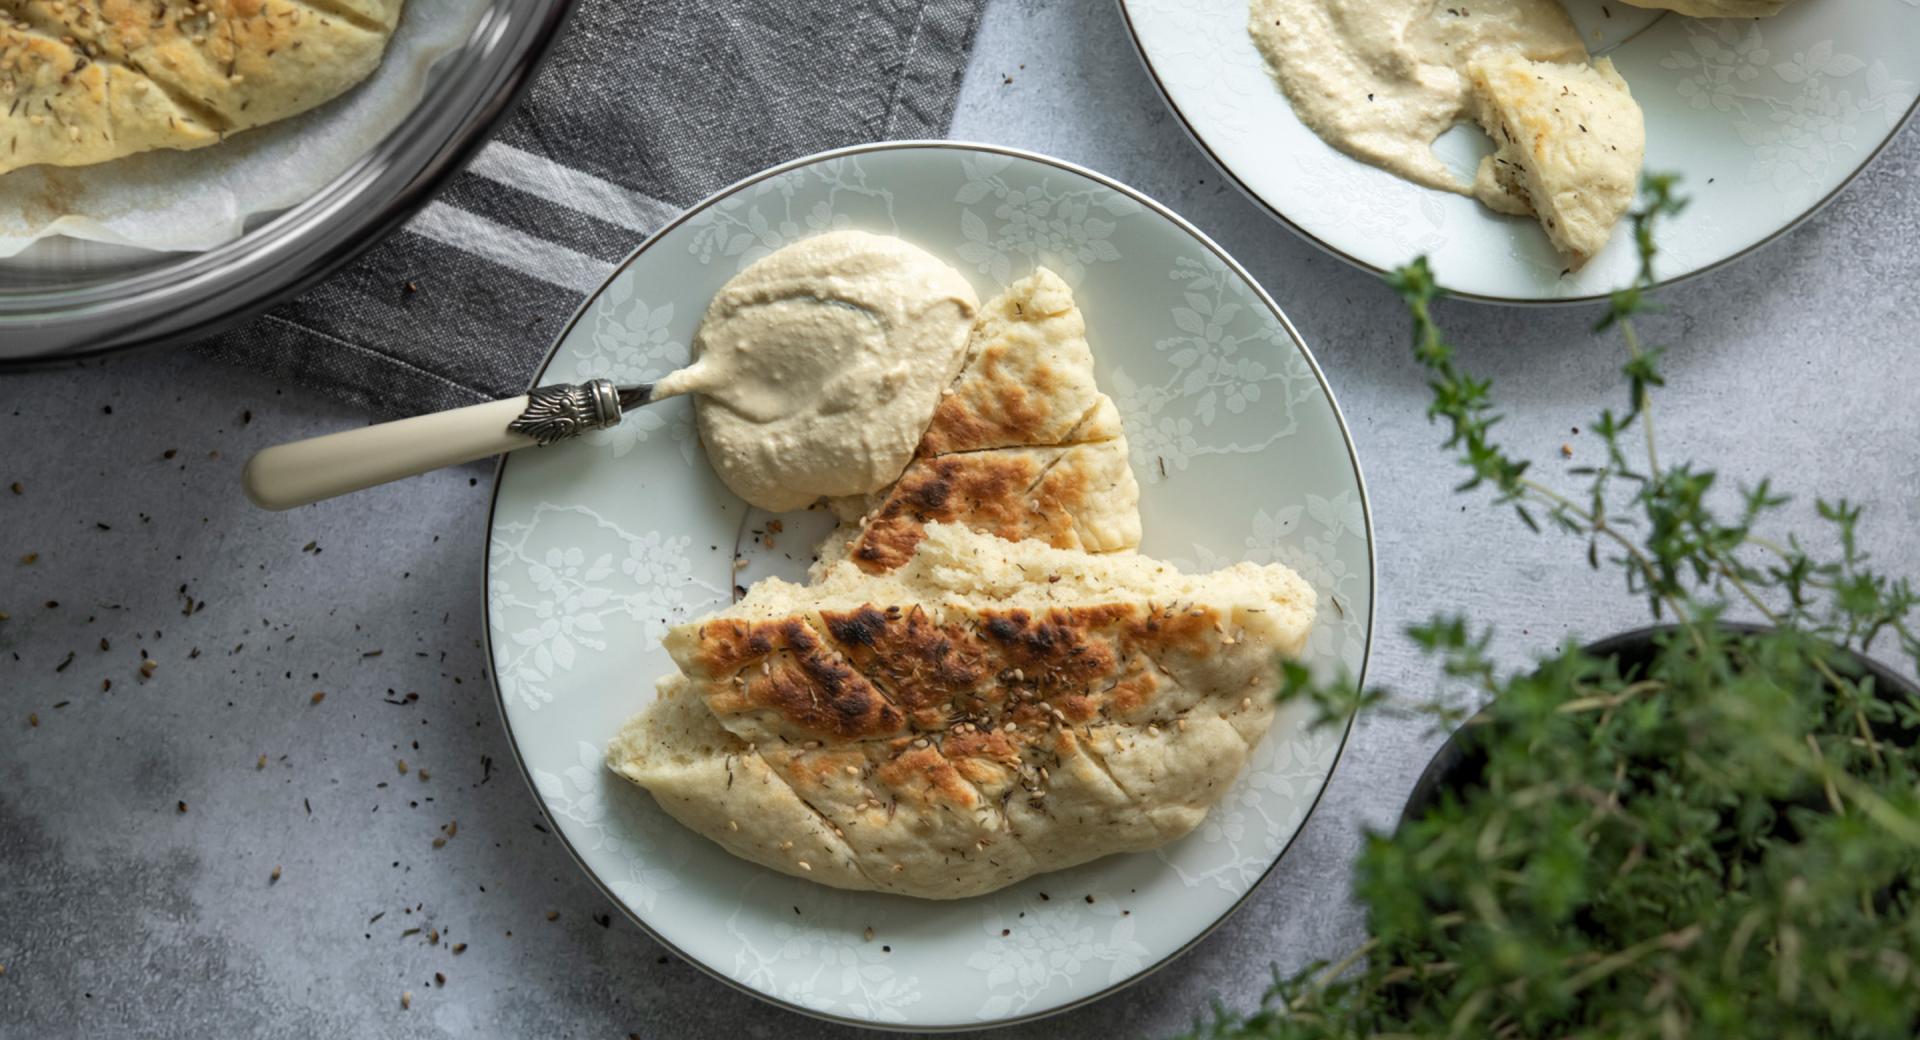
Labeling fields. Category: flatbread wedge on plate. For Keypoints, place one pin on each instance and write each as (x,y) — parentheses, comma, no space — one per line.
(987,711)
(1022,445)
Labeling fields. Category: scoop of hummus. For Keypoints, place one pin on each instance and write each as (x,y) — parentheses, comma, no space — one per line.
(1716,8)
(818,367)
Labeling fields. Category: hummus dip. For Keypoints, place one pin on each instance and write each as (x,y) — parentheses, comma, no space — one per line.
(818,367)
(1381,79)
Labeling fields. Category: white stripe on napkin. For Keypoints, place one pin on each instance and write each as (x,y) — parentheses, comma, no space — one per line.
(533,257)
(566,186)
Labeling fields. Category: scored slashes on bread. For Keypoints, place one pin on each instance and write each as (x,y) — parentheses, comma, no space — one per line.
(988,711)
(85,81)
(1022,445)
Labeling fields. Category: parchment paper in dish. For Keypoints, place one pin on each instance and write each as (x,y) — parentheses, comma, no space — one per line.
(200,199)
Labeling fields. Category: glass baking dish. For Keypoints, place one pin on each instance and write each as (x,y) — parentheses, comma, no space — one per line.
(64,299)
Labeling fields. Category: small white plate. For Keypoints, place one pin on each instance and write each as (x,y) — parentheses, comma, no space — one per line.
(596,547)
(1765,119)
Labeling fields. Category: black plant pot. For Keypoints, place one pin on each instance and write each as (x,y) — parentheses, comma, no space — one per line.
(1460,762)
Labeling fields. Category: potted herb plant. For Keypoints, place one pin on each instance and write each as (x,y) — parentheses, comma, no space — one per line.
(1704,829)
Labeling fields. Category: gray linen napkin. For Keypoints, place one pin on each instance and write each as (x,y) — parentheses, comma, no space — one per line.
(645,107)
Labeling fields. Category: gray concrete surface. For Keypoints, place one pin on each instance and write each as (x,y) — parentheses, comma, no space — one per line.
(122,913)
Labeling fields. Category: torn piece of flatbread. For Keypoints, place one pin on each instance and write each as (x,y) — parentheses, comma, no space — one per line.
(85,81)
(1028,377)
(1569,142)
(1023,445)
(1081,496)
(988,711)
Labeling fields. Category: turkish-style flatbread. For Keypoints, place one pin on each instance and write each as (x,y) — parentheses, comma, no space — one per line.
(1023,445)
(987,711)
(85,81)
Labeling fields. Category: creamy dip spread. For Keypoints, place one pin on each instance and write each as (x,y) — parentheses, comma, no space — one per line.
(1381,79)
(818,367)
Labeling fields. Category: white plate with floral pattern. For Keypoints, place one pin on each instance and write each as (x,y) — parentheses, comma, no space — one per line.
(597,546)
(1765,119)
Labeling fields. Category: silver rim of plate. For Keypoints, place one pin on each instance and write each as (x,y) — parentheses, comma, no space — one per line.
(1194,133)
(559,829)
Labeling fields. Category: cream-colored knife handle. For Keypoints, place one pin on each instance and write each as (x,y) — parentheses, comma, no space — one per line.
(307,471)
(289,475)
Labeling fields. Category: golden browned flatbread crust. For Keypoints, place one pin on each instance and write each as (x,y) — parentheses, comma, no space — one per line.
(987,711)
(1028,377)
(1079,497)
(942,738)
(1023,445)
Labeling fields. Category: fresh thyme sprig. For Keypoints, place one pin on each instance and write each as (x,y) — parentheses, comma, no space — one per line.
(1463,401)
(1720,841)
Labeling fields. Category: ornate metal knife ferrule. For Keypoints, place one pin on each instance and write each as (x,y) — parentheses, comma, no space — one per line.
(565,410)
